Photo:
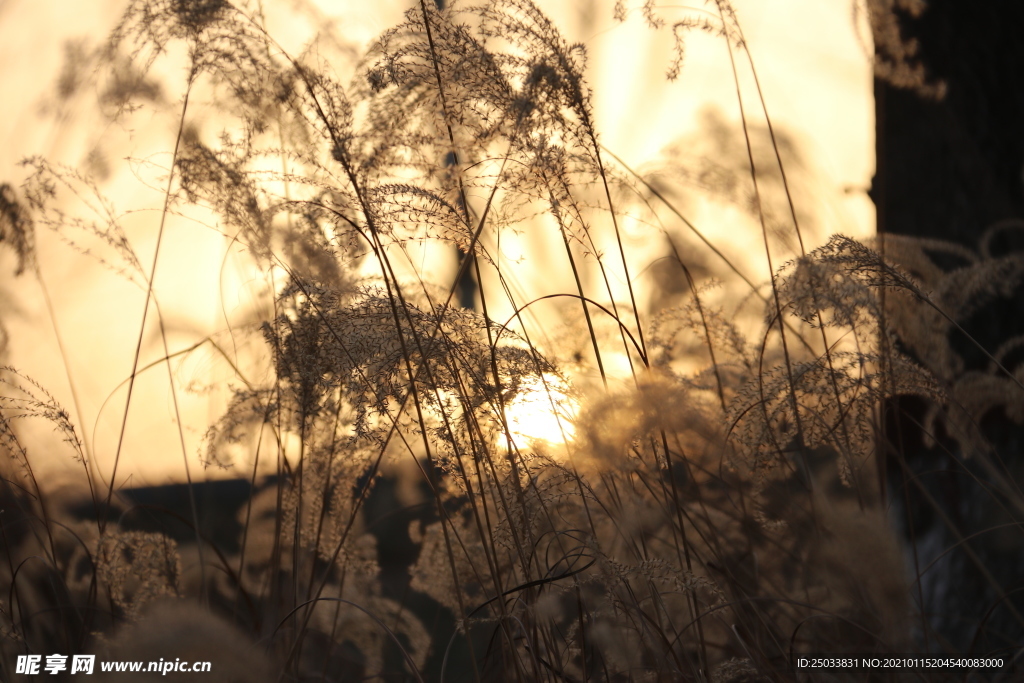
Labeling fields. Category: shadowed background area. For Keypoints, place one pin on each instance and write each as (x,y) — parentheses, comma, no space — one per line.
(951,169)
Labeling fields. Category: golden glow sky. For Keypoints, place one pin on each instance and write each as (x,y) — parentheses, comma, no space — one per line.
(817,83)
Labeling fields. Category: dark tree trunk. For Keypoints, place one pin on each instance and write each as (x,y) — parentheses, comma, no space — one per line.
(949,170)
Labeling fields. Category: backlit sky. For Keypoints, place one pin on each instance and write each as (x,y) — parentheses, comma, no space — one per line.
(816,80)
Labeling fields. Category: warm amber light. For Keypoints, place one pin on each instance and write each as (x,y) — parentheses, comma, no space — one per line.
(542,411)
(816,79)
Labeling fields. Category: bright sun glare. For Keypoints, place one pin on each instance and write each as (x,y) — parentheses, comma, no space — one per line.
(542,411)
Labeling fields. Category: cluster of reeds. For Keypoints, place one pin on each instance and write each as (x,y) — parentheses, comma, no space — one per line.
(709,503)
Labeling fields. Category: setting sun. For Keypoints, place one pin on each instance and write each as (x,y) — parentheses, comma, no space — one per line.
(542,411)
